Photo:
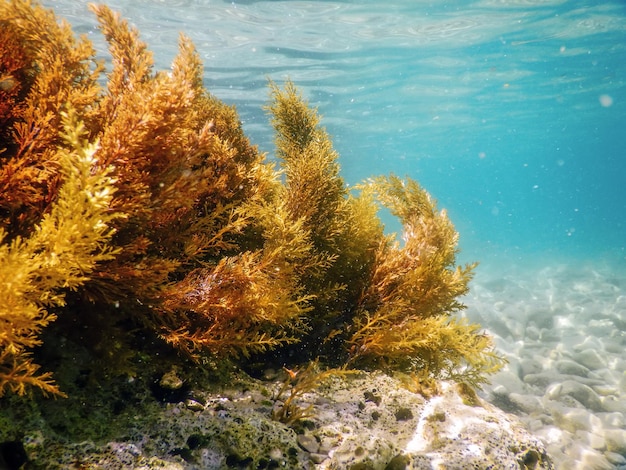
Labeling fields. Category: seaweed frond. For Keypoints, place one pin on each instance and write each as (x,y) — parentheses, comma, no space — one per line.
(404,318)
(342,228)
(62,251)
(242,305)
(314,191)
(296,385)
(45,71)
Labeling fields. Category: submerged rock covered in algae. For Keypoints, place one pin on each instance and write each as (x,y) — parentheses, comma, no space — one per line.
(356,425)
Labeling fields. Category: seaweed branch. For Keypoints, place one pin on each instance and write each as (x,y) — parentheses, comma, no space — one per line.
(64,248)
(297,384)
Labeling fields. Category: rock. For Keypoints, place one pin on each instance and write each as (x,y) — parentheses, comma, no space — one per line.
(527,403)
(565,366)
(308,443)
(590,459)
(232,430)
(614,345)
(549,335)
(500,398)
(612,403)
(574,419)
(543,379)
(509,381)
(171,381)
(499,328)
(616,440)
(473,437)
(590,359)
(613,419)
(595,441)
(531,366)
(615,459)
(194,405)
(318,458)
(541,318)
(580,392)
(533,333)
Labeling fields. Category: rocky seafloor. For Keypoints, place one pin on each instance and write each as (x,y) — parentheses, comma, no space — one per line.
(563,330)
(359,421)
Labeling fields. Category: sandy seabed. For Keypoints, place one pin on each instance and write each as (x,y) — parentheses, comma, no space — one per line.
(563,330)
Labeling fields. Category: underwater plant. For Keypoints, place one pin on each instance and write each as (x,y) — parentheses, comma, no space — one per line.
(299,382)
(178,158)
(58,255)
(187,231)
(390,304)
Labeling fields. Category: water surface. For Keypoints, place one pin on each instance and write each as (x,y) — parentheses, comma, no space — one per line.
(512,113)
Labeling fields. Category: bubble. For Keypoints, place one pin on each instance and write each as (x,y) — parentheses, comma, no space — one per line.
(606,100)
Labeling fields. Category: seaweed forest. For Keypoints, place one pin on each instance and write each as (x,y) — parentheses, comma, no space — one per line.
(132,203)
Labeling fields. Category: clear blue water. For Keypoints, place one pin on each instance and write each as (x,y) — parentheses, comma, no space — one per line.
(512,113)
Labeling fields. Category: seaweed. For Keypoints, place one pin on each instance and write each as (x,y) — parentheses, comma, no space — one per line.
(181,228)
(404,316)
(63,249)
(299,382)
(376,302)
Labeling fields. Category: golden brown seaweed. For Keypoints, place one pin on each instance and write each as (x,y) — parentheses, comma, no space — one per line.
(190,233)
(60,253)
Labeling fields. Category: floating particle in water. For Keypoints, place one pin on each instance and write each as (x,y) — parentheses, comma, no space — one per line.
(606,100)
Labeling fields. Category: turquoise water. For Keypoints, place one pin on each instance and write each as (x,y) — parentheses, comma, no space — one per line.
(512,113)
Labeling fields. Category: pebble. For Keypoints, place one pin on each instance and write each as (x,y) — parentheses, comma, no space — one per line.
(590,459)
(590,359)
(527,403)
(510,381)
(616,440)
(308,443)
(595,441)
(541,318)
(613,419)
(530,366)
(193,405)
(318,458)
(573,419)
(543,379)
(171,381)
(581,393)
(615,458)
(566,366)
